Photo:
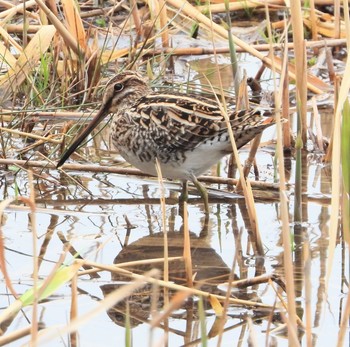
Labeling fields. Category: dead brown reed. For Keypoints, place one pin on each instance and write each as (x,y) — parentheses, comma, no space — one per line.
(126,171)
(244,184)
(173,286)
(336,154)
(165,241)
(287,254)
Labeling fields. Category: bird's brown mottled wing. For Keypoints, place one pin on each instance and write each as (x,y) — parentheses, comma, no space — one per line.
(189,120)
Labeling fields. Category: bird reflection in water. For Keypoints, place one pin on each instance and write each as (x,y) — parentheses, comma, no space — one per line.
(209,269)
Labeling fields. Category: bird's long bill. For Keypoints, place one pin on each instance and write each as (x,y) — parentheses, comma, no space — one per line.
(102,113)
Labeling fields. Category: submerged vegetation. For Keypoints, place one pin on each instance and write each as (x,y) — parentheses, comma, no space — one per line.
(120,244)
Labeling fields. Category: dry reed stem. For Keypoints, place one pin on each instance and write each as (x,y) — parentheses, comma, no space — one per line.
(124,171)
(328,157)
(165,233)
(10,312)
(174,286)
(285,112)
(287,254)
(134,263)
(30,135)
(308,293)
(73,337)
(248,195)
(35,274)
(337,21)
(9,115)
(251,157)
(313,21)
(163,18)
(285,306)
(254,281)
(293,339)
(13,336)
(18,28)
(246,188)
(136,17)
(344,323)
(319,135)
(324,42)
(226,302)
(330,65)
(234,181)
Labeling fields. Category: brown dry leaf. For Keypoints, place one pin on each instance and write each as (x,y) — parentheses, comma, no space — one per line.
(74,23)
(28,59)
(216,306)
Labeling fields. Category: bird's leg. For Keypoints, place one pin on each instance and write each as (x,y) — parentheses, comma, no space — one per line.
(202,191)
(183,196)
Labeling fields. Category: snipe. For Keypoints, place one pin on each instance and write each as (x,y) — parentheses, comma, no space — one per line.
(185,132)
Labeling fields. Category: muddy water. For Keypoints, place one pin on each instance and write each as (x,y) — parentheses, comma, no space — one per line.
(117,219)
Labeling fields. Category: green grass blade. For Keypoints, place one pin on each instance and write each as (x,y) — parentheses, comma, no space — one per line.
(201,312)
(62,276)
(298,179)
(128,342)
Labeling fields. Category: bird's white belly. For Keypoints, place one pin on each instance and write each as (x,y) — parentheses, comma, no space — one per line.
(196,162)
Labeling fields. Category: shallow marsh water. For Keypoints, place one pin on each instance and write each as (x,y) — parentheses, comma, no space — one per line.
(96,227)
(118,218)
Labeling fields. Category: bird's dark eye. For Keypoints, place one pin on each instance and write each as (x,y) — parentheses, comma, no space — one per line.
(118,87)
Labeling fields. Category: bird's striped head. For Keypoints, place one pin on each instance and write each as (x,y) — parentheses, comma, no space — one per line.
(123,90)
